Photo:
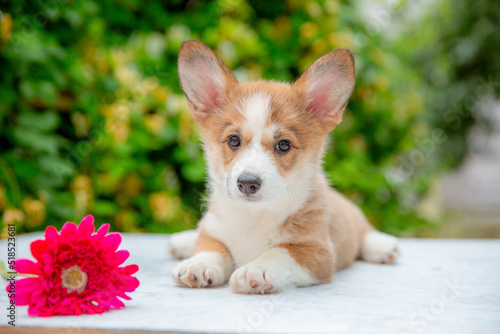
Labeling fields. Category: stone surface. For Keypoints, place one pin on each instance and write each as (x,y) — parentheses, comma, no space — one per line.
(438,286)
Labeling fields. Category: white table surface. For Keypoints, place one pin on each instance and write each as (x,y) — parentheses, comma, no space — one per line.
(437,286)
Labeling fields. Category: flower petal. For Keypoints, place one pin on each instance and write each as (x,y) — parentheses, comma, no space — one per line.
(112,241)
(130,283)
(25,266)
(103,230)
(117,303)
(68,230)
(24,289)
(130,269)
(28,284)
(86,227)
(33,312)
(51,234)
(120,257)
(122,294)
(22,298)
(38,247)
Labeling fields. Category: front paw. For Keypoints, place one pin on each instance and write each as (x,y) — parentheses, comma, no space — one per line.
(199,271)
(252,279)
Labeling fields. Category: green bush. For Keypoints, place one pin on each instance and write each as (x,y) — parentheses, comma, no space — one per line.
(93,120)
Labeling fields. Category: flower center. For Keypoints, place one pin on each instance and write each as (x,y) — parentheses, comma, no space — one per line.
(73,278)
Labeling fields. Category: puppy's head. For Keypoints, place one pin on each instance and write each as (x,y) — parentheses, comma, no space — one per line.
(264,140)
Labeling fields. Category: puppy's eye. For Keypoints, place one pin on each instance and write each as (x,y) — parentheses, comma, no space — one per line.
(233,142)
(283,145)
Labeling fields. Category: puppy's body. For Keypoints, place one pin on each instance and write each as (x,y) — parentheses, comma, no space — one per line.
(272,215)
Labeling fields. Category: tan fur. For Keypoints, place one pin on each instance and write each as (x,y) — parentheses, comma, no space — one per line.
(327,232)
(206,243)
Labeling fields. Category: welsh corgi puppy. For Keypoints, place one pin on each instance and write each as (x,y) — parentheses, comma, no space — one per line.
(273,222)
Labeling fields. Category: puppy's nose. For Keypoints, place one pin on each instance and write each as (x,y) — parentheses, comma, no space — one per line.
(248,183)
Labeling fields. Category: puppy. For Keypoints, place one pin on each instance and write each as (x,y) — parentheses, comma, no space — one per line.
(273,222)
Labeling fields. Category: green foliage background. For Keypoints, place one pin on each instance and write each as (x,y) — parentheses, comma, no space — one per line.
(93,121)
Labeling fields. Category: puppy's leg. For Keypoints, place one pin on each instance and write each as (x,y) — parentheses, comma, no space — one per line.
(181,245)
(211,265)
(379,247)
(282,267)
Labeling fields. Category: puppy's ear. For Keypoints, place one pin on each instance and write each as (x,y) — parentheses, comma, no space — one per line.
(327,85)
(204,78)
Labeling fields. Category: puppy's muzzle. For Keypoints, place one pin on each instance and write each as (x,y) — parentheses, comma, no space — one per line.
(248,183)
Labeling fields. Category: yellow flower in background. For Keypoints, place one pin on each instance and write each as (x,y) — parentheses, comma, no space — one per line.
(187,219)
(306,61)
(379,57)
(132,185)
(3,199)
(44,196)
(319,47)
(35,212)
(341,39)
(95,58)
(186,126)
(314,9)
(163,206)
(364,92)
(126,220)
(281,28)
(294,4)
(332,7)
(81,123)
(358,142)
(255,71)
(308,30)
(106,184)
(227,52)
(151,83)
(160,94)
(119,57)
(11,216)
(178,33)
(177,104)
(382,83)
(81,183)
(126,75)
(120,131)
(420,129)
(6,25)
(407,106)
(81,187)
(154,44)
(415,103)
(155,122)
(117,120)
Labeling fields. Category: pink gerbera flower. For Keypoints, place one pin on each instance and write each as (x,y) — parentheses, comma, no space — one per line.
(76,272)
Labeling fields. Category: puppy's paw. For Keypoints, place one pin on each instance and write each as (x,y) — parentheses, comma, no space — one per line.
(181,245)
(380,248)
(200,271)
(252,279)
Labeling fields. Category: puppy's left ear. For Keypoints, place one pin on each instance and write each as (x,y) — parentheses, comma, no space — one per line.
(205,80)
(327,85)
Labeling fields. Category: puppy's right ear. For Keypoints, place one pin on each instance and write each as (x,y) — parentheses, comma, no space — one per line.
(204,78)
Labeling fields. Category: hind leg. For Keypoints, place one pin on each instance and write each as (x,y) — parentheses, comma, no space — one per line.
(379,247)
(181,245)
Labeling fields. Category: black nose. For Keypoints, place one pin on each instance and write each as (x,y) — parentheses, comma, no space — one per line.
(248,183)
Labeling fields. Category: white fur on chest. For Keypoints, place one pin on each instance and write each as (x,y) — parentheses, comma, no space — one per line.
(245,233)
